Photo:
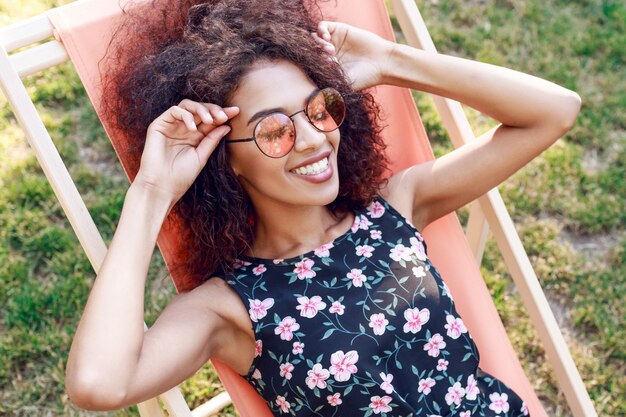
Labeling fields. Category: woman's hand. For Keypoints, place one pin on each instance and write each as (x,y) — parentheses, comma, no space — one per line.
(362,54)
(178,145)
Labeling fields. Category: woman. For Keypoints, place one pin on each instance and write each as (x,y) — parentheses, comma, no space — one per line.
(313,280)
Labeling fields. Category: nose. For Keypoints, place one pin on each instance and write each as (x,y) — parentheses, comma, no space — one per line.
(307,136)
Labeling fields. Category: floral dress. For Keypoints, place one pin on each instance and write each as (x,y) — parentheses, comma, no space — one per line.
(364,326)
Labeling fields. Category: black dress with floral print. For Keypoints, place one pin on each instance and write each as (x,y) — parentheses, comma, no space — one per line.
(364,325)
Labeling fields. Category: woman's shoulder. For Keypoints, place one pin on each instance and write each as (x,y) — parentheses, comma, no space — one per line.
(407,191)
(218,298)
(398,196)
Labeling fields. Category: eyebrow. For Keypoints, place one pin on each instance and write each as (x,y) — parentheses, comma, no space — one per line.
(267,112)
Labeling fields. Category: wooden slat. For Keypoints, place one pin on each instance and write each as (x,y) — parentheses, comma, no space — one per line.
(38,58)
(510,245)
(213,406)
(51,162)
(175,403)
(150,408)
(477,231)
(26,32)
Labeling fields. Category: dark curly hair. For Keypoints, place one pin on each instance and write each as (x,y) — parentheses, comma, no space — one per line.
(200,51)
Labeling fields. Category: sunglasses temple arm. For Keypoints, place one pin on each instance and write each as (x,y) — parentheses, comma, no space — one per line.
(239,140)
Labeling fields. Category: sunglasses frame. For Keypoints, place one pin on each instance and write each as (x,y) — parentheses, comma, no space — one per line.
(315,93)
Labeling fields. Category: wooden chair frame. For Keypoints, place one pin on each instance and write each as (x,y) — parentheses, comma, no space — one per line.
(487,213)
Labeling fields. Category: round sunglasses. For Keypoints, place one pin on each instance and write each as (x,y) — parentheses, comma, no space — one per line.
(275,134)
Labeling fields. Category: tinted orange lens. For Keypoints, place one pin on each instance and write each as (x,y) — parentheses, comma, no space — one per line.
(275,135)
(326,110)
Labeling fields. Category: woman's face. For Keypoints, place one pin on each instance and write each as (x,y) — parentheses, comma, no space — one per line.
(281,86)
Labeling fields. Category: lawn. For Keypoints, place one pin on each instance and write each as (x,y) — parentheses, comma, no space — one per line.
(568,205)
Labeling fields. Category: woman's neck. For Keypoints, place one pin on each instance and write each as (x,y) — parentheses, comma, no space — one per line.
(284,231)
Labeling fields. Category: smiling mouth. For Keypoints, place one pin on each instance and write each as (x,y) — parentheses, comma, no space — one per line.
(312,169)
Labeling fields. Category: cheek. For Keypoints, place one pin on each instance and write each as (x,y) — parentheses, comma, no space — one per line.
(240,158)
(252,166)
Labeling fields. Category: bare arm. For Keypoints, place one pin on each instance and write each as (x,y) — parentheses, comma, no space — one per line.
(533,114)
(112,362)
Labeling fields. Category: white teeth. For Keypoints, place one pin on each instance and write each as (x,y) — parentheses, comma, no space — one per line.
(313,169)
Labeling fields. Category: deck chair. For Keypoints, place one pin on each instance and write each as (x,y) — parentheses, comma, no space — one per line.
(81,31)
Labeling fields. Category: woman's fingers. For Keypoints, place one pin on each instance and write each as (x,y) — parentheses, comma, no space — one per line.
(200,111)
(324,31)
(219,116)
(178,113)
(196,116)
(328,47)
(210,141)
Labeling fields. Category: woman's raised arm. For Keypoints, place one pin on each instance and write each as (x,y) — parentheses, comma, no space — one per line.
(533,114)
(112,362)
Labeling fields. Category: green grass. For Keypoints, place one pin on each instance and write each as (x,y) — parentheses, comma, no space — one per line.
(568,206)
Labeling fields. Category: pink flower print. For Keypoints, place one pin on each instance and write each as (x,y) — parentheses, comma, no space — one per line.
(258,348)
(364,223)
(455,326)
(465,414)
(258,308)
(364,250)
(375,210)
(378,322)
(277,261)
(419,272)
(337,307)
(238,263)
(309,307)
(524,409)
(376,234)
(304,269)
(324,250)
(380,405)
(417,246)
(455,394)
(256,374)
(286,328)
(386,384)
(298,348)
(434,345)
(400,252)
(357,277)
(499,403)
(286,369)
(334,399)
(283,404)
(259,269)
(317,377)
(471,390)
(425,385)
(442,365)
(343,365)
(415,319)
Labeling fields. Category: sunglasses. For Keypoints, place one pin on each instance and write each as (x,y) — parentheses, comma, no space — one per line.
(275,134)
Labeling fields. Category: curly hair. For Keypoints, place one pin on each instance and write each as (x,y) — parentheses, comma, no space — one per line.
(201,52)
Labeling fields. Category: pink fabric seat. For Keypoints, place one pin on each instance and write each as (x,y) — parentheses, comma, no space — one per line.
(84,28)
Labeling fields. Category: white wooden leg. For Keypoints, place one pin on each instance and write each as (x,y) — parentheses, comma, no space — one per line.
(477,231)
(213,406)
